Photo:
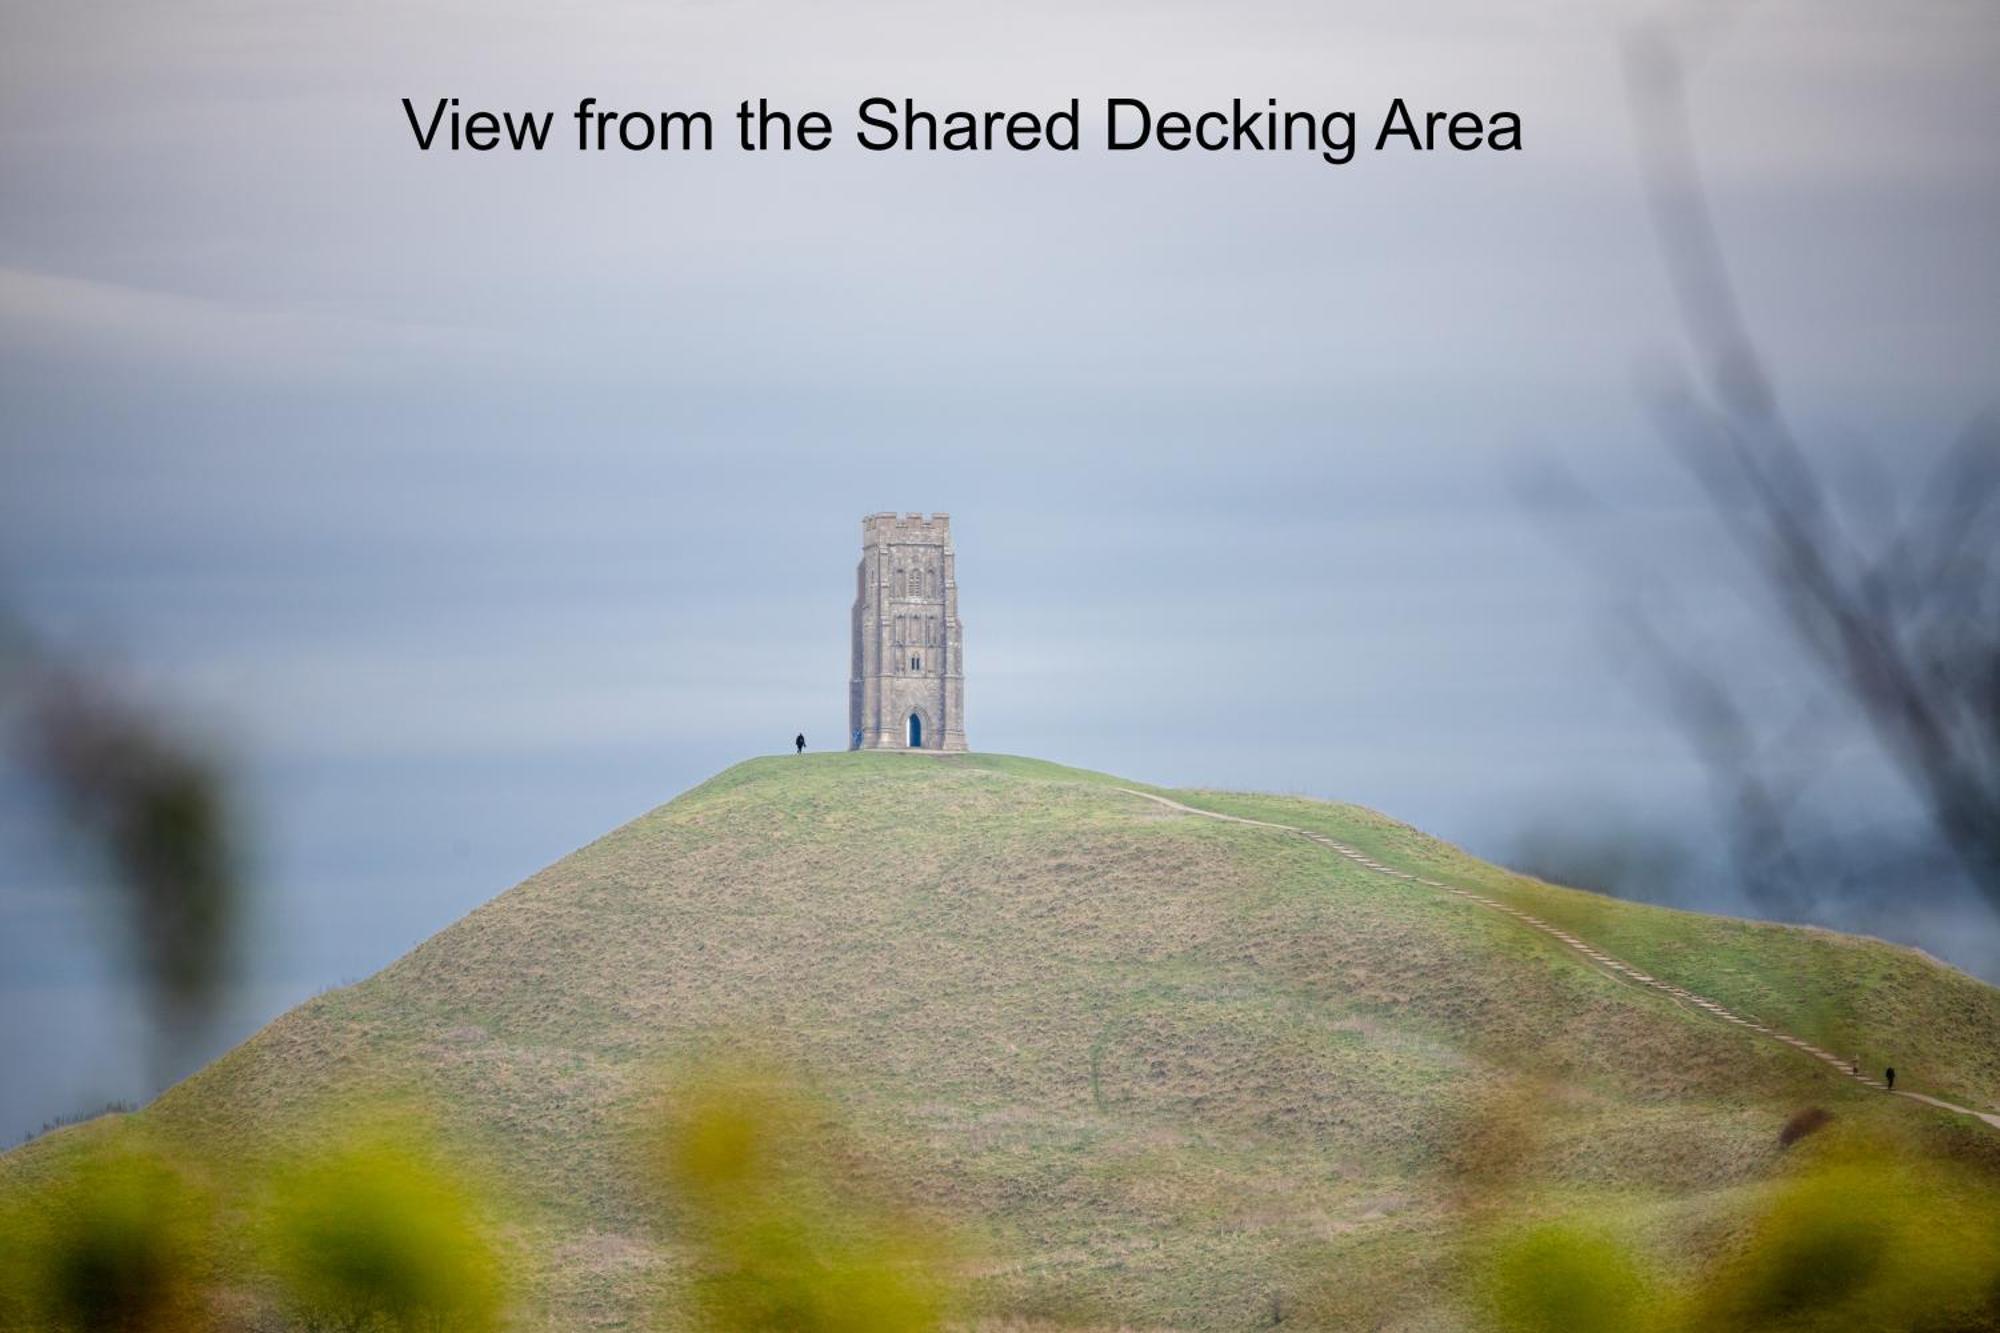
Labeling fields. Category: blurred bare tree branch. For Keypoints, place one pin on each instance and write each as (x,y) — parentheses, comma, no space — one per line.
(1898,606)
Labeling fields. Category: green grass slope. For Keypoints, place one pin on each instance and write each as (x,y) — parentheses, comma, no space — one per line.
(1155,1070)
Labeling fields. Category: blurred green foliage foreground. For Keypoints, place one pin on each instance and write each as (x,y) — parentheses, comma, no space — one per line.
(791,1226)
(1858,1237)
(379,1230)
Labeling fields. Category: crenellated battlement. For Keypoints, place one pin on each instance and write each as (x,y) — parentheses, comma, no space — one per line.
(893,527)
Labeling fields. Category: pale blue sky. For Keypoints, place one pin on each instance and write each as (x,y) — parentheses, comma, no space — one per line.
(481,503)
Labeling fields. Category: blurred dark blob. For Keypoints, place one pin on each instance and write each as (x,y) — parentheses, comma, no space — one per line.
(1803,1123)
(150,806)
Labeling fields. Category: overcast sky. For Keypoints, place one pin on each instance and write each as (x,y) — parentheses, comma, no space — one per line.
(480,503)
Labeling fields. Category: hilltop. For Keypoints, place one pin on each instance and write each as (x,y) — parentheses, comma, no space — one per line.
(1157,1069)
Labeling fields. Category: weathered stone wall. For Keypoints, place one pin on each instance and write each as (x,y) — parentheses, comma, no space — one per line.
(908,644)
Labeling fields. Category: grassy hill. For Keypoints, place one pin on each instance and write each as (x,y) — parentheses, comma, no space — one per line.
(1150,1069)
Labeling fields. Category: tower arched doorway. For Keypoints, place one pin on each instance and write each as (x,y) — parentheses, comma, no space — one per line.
(916,731)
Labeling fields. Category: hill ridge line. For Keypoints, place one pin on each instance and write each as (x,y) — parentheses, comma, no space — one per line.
(1617,967)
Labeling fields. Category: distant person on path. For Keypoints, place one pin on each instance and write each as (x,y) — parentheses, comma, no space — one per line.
(1889,1077)
(800,741)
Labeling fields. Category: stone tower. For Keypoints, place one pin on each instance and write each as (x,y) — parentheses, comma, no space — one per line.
(907,689)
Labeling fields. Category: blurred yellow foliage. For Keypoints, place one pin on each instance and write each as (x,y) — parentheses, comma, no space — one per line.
(1860,1236)
(1863,1238)
(373,1236)
(1562,1279)
(118,1241)
(787,1233)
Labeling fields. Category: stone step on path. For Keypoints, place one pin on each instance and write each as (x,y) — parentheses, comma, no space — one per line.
(1604,961)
